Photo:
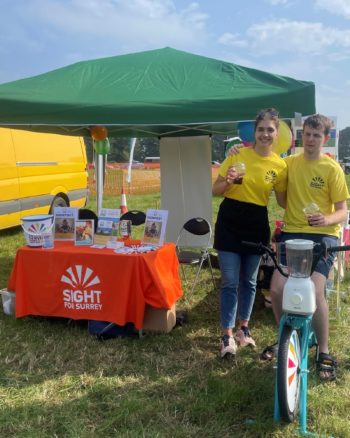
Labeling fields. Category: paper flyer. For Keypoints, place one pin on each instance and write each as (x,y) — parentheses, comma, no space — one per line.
(155,227)
(107,225)
(64,222)
(84,232)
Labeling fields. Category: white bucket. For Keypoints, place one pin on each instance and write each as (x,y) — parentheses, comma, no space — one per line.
(35,227)
(8,302)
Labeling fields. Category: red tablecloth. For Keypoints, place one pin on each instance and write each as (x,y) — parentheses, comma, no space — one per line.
(88,283)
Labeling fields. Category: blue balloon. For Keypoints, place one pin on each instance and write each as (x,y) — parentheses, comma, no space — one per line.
(246,131)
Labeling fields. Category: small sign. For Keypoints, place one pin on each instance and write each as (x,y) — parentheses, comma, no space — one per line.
(84,232)
(64,222)
(155,227)
(107,225)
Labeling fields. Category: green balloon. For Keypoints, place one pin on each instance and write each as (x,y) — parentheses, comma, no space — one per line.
(102,146)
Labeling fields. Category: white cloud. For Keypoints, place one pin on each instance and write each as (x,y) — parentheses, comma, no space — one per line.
(339,56)
(297,37)
(230,39)
(336,7)
(136,23)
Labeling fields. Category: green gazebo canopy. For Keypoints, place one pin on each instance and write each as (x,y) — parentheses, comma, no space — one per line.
(162,92)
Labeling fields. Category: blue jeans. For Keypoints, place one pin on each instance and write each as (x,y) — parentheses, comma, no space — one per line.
(238,286)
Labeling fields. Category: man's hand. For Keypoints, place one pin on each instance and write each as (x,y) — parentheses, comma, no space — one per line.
(317,220)
(234,150)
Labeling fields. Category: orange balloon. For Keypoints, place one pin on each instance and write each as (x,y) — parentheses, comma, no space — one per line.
(99,132)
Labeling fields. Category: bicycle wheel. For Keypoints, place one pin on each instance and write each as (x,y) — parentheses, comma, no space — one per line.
(288,373)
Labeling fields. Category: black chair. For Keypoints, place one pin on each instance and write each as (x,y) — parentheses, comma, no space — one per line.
(194,253)
(136,217)
(85,213)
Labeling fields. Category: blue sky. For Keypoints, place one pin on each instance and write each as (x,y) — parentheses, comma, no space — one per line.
(304,39)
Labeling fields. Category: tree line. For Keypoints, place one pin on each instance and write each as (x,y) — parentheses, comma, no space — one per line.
(149,147)
(146,147)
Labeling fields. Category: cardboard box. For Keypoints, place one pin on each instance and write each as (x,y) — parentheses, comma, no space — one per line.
(159,320)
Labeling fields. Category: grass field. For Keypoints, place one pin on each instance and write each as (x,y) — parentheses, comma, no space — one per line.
(57,381)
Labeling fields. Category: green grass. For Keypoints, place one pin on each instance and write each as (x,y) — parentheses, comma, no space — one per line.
(57,381)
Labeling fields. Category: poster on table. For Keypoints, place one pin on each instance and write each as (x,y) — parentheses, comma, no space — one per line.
(155,227)
(84,232)
(107,225)
(64,222)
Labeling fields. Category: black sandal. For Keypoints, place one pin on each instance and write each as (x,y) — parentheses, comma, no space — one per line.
(269,352)
(326,366)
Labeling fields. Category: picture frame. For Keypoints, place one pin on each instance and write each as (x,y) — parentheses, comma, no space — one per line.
(84,232)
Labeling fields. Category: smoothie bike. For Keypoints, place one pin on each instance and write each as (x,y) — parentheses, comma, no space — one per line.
(296,333)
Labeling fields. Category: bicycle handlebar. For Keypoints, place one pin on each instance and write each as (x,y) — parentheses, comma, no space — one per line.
(338,248)
(320,249)
(267,250)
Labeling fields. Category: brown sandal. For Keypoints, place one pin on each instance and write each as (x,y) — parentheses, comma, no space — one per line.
(269,352)
(327,366)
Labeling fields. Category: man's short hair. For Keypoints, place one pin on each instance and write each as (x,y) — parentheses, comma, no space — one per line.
(318,121)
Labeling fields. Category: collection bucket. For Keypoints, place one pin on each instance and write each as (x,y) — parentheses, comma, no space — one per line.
(35,227)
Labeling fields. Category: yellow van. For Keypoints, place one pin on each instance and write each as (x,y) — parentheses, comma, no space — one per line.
(39,172)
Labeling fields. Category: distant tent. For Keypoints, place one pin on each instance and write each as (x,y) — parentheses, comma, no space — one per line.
(162,92)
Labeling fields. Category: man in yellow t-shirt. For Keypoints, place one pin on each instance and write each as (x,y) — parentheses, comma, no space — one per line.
(313,178)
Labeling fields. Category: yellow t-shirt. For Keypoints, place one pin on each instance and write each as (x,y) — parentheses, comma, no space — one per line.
(262,175)
(321,181)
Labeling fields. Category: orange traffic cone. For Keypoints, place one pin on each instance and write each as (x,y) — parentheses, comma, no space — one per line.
(123,206)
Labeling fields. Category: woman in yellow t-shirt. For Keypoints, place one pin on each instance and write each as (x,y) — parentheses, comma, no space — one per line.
(243,217)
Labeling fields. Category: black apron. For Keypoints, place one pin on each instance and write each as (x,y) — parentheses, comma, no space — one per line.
(238,221)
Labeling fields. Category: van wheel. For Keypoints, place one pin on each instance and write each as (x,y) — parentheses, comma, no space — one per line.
(58,201)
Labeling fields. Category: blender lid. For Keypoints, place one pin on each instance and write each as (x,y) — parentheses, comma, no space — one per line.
(301,244)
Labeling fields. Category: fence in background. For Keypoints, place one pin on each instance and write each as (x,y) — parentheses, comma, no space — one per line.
(142,181)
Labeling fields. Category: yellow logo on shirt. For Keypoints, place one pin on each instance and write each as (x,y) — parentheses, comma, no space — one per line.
(317,182)
(270,176)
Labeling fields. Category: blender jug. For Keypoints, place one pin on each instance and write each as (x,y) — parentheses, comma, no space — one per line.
(299,257)
(299,290)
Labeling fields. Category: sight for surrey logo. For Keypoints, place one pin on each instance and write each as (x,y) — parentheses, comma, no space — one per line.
(81,293)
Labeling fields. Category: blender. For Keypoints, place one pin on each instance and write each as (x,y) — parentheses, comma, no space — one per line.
(299,291)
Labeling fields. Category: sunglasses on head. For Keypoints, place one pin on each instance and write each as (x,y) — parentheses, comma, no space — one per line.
(268,112)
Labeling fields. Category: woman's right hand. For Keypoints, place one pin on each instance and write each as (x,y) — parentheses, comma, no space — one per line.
(231,174)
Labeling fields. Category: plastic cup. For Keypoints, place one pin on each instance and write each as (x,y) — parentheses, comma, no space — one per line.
(310,209)
(240,169)
(48,241)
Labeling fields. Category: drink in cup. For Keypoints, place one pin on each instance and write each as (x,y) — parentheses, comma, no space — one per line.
(240,169)
(311,209)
